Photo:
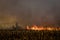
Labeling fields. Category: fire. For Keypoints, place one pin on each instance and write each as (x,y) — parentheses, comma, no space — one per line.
(34,27)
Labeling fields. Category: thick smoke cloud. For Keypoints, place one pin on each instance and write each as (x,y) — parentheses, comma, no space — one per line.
(30,11)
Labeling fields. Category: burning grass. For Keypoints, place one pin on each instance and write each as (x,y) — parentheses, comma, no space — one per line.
(34,27)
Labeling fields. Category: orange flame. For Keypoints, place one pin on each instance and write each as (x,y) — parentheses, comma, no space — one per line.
(42,28)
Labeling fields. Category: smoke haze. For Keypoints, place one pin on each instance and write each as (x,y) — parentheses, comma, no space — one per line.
(30,12)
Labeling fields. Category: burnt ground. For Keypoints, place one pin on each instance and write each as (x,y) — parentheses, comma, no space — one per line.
(29,35)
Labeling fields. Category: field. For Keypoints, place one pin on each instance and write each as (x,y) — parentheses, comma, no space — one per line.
(29,35)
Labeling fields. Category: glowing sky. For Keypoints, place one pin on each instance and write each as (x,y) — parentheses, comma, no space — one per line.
(29,11)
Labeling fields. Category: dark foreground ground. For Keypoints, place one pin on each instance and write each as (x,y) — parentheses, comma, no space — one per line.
(29,35)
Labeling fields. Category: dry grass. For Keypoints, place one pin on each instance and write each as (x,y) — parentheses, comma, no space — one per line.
(29,35)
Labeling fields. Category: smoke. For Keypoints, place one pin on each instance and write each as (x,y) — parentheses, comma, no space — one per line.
(28,12)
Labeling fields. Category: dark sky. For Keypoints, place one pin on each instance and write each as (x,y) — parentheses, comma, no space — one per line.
(29,11)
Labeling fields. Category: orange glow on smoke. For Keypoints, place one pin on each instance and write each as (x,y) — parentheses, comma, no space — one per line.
(42,28)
